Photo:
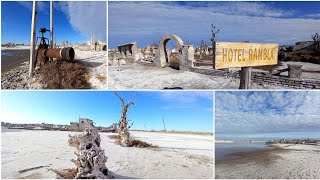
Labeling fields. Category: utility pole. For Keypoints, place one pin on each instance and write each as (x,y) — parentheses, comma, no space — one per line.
(213,39)
(164,124)
(33,37)
(51,26)
(145,129)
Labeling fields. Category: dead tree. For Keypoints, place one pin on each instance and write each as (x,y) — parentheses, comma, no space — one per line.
(201,48)
(214,32)
(123,128)
(316,40)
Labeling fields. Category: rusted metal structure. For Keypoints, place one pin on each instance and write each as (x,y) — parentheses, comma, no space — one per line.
(44,53)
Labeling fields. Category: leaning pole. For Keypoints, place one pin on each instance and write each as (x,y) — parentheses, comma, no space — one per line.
(33,37)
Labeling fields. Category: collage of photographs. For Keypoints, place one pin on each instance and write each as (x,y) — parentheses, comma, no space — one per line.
(160,89)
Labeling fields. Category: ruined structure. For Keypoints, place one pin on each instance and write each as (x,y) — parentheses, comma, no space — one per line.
(91,160)
(129,50)
(81,125)
(123,128)
(185,53)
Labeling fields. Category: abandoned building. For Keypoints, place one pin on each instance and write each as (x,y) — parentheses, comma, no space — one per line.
(129,50)
(81,125)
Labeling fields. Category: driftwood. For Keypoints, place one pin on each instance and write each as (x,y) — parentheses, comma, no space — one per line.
(90,162)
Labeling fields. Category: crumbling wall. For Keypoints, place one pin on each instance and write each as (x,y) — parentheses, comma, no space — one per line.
(264,78)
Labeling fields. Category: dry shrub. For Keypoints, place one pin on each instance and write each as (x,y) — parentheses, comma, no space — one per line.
(64,75)
(141,144)
(116,138)
(101,78)
(66,173)
(134,142)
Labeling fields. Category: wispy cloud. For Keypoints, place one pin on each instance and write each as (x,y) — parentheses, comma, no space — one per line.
(86,17)
(257,112)
(185,99)
(145,22)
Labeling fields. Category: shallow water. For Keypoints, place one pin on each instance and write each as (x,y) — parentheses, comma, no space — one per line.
(222,150)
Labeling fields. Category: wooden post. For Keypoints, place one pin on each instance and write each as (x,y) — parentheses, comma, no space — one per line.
(213,39)
(245,78)
(33,37)
(51,26)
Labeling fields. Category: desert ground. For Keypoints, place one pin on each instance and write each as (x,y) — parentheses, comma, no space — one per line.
(15,70)
(284,161)
(178,155)
(137,76)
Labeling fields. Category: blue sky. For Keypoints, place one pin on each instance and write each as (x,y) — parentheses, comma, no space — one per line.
(269,114)
(191,111)
(277,22)
(73,21)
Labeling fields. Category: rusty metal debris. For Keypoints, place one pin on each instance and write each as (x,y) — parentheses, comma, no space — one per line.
(44,52)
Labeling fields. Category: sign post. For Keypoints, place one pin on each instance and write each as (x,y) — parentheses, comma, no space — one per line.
(244,55)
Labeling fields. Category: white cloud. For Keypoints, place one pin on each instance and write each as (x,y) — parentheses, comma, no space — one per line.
(86,17)
(257,112)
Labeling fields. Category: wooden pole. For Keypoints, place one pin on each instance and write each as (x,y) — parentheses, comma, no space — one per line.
(51,26)
(245,78)
(33,37)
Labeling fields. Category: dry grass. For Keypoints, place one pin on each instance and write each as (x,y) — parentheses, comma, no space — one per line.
(141,144)
(101,78)
(64,75)
(134,142)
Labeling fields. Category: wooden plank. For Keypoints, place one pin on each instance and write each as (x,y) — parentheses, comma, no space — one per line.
(233,54)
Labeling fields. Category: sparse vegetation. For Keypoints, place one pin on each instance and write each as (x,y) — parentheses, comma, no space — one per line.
(64,75)
(133,142)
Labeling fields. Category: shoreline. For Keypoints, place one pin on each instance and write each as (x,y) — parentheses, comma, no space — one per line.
(285,161)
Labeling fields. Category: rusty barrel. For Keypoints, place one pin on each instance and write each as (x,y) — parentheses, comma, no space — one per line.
(60,53)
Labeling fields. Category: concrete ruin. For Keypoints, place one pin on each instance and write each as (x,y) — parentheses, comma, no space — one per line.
(129,51)
(92,46)
(185,53)
(81,125)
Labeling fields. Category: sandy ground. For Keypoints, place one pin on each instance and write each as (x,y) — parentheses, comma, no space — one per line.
(178,156)
(97,62)
(285,161)
(136,76)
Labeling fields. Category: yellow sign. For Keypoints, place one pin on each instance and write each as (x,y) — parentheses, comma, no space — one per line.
(229,55)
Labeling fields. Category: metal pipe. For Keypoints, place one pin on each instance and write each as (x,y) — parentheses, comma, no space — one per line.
(60,53)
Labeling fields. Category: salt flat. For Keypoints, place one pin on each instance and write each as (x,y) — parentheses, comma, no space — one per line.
(178,156)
